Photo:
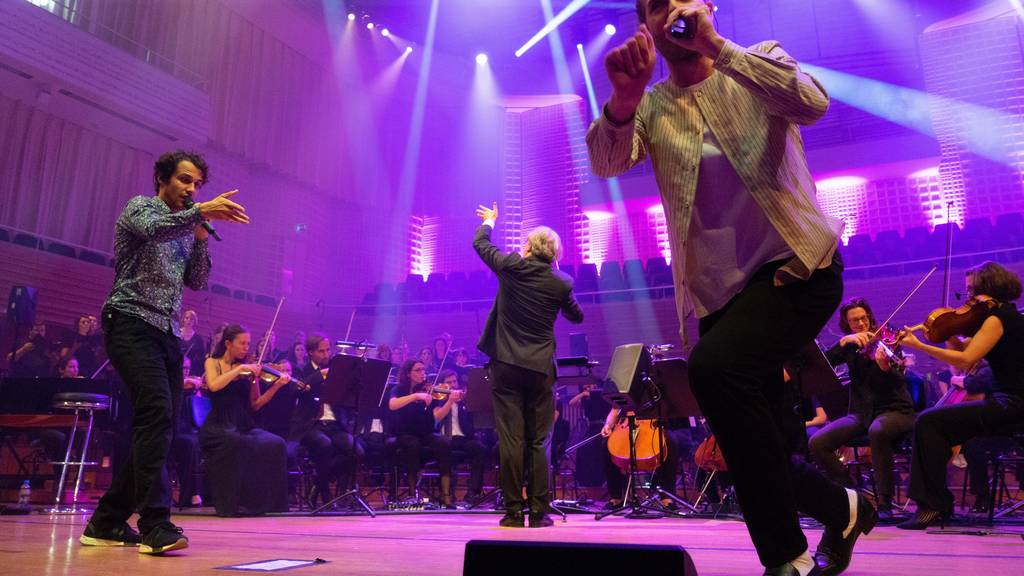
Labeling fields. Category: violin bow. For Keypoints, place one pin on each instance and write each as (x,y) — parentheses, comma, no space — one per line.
(266,338)
(905,300)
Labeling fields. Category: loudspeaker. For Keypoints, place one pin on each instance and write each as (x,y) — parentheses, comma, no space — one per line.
(21,305)
(578,345)
(628,375)
(500,557)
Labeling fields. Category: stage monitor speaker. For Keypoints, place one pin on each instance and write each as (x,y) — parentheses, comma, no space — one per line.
(500,557)
(578,344)
(21,305)
(626,385)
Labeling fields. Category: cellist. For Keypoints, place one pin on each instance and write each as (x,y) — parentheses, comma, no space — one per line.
(1000,341)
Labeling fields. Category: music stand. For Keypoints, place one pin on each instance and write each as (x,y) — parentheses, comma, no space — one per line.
(658,389)
(355,383)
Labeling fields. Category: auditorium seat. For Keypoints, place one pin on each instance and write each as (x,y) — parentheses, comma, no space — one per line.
(939,237)
(457,285)
(26,240)
(978,234)
(264,300)
(220,290)
(60,249)
(586,278)
(658,272)
(859,251)
(92,257)
(611,279)
(435,289)
(240,294)
(633,271)
(4,236)
(568,269)
(890,247)
(1010,230)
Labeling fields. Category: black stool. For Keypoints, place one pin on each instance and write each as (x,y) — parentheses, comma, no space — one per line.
(79,402)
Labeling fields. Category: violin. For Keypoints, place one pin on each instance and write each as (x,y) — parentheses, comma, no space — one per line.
(271,373)
(650,446)
(944,323)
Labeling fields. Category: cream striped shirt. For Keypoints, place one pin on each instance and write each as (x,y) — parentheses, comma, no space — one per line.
(753,103)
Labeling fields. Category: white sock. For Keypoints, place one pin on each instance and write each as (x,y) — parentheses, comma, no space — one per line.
(852,497)
(803,563)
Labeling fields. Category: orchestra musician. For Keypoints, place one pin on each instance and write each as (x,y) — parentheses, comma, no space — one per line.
(160,247)
(247,467)
(326,431)
(880,405)
(999,340)
(413,421)
(455,423)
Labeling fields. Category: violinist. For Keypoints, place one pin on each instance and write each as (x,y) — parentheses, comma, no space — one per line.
(413,422)
(456,427)
(880,405)
(326,431)
(999,339)
(247,467)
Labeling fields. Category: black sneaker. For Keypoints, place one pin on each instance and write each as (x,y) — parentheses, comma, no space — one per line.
(541,521)
(164,538)
(121,536)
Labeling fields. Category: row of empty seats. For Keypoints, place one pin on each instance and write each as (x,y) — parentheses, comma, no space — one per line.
(888,254)
(53,247)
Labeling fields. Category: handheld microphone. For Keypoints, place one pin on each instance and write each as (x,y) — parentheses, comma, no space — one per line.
(680,29)
(189,202)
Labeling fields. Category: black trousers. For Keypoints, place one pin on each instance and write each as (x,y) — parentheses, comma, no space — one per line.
(939,429)
(187,456)
(883,433)
(524,413)
(149,361)
(735,372)
(411,452)
(979,452)
(475,452)
(332,449)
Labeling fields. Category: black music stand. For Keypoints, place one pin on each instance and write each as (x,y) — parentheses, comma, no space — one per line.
(660,390)
(811,375)
(355,383)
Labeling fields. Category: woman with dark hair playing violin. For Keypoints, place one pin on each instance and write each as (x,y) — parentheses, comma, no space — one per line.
(997,335)
(413,420)
(880,404)
(247,467)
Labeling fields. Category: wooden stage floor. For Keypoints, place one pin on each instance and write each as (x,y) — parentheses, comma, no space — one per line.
(434,544)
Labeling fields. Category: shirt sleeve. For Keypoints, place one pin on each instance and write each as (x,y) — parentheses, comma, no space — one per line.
(197,269)
(145,221)
(614,148)
(774,77)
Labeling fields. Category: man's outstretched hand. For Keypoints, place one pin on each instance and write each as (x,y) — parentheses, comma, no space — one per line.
(486,213)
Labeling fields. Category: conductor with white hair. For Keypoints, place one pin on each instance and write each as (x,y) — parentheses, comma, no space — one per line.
(519,338)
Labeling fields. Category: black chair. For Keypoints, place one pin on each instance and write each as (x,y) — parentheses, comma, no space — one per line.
(4,236)
(612,279)
(240,294)
(92,257)
(264,300)
(586,278)
(60,249)
(26,240)
(220,290)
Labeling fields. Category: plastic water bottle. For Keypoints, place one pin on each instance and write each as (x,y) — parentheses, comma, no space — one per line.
(25,494)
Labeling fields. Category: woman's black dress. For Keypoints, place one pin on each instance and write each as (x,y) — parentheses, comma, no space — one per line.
(246,467)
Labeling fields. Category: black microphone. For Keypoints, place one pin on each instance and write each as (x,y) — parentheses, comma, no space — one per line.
(189,202)
(680,29)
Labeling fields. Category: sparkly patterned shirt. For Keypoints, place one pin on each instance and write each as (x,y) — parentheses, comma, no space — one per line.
(156,253)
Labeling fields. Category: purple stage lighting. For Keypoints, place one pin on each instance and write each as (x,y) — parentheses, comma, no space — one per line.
(369,25)
(408,49)
(609,29)
(351,16)
(481,58)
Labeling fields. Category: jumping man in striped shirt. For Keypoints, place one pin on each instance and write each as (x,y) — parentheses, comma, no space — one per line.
(752,254)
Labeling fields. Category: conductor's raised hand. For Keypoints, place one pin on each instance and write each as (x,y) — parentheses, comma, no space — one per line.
(630,67)
(223,208)
(486,213)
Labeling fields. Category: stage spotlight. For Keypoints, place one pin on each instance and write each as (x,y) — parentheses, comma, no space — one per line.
(481,58)
(351,16)
(385,33)
(369,25)
(609,29)
(408,49)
